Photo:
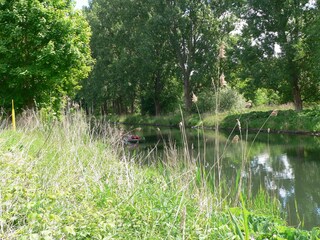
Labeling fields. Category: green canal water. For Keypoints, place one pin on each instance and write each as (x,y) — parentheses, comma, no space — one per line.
(286,166)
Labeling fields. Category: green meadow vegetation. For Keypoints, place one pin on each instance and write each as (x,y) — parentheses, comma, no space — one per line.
(72,180)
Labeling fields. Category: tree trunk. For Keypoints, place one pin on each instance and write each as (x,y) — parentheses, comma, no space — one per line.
(157,108)
(132,106)
(296,91)
(187,96)
(157,92)
(185,53)
(297,97)
(115,107)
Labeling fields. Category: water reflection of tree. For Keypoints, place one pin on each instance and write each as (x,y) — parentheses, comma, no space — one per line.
(290,171)
(307,190)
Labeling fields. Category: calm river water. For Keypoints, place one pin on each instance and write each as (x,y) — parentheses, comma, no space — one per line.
(287,166)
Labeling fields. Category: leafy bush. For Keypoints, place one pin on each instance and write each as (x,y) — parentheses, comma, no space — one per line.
(265,96)
(230,99)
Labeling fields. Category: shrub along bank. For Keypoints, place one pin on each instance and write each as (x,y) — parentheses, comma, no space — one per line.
(59,181)
(265,120)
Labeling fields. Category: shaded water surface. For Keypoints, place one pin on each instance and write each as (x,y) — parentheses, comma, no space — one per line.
(287,166)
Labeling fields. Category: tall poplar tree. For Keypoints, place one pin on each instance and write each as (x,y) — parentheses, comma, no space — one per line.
(194,39)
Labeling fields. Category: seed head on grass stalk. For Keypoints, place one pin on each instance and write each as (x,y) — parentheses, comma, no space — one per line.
(223,82)
(194,98)
(235,139)
(222,51)
(274,113)
(239,124)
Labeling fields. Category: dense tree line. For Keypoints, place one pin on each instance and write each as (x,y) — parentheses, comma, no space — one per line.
(152,55)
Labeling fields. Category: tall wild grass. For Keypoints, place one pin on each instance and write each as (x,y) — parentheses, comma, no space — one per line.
(75,179)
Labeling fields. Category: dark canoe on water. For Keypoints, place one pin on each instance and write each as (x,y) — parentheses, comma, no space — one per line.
(132,139)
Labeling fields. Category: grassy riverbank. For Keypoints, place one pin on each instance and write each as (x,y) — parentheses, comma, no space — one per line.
(276,119)
(61,181)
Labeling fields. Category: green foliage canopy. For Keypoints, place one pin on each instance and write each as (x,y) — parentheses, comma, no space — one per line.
(152,52)
(290,25)
(44,51)
(144,48)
